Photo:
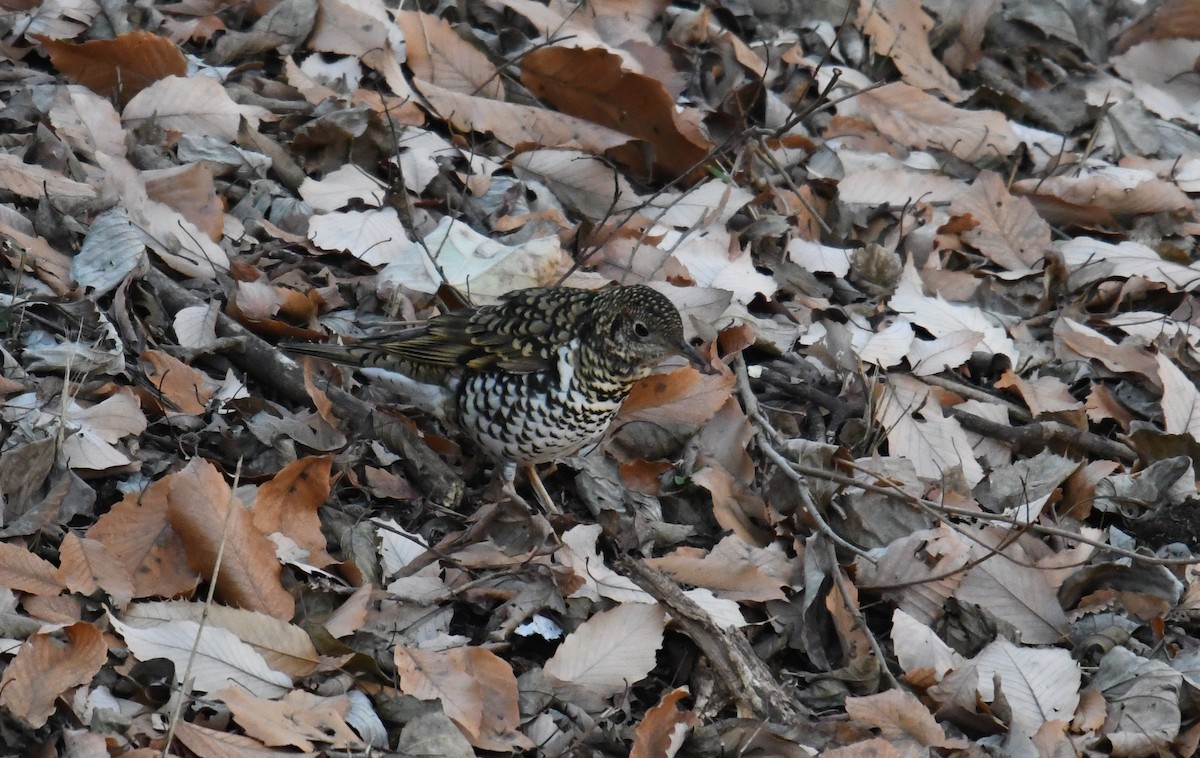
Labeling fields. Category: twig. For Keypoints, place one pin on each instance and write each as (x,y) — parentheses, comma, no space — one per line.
(1039,434)
(1035,434)
(975,393)
(1067,534)
(766,444)
(843,587)
(728,651)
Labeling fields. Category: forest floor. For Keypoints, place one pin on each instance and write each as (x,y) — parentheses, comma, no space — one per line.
(938,498)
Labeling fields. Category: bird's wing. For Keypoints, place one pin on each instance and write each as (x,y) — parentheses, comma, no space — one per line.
(522,333)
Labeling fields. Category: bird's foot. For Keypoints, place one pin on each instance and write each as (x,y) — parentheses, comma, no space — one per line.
(508,476)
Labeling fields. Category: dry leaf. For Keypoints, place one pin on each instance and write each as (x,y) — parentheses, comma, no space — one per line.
(198,503)
(22,571)
(581,557)
(477,689)
(609,652)
(664,728)
(192,105)
(471,262)
(900,718)
(86,566)
(122,66)
(919,430)
(136,533)
(437,54)
(1038,684)
(288,504)
(1009,230)
(592,84)
(182,388)
(915,119)
(220,657)
(899,29)
(44,669)
(285,647)
(297,720)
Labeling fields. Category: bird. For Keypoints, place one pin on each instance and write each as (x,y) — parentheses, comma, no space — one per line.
(533,378)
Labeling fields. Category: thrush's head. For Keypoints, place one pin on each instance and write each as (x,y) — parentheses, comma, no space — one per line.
(638,327)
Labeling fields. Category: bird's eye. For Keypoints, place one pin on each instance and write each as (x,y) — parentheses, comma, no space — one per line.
(640,329)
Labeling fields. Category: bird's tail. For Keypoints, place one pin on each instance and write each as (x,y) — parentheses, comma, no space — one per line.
(350,355)
(425,387)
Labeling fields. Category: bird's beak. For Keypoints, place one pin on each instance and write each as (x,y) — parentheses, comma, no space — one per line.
(702,364)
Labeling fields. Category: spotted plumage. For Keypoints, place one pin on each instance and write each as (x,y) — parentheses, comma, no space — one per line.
(538,376)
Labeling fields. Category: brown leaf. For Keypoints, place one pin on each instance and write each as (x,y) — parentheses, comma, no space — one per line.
(916,119)
(1046,394)
(196,105)
(297,720)
(876,186)
(516,124)
(85,566)
(1103,405)
(872,748)
(122,66)
(609,652)
(644,476)
(734,569)
(57,609)
(23,474)
(314,386)
(343,28)
(437,54)
(32,180)
(663,727)
(855,644)
(724,440)
(899,29)
(1174,19)
(288,504)
(1114,190)
(190,191)
(282,29)
(23,571)
(285,648)
(350,616)
(735,506)
(921,571)
(1079,491)
(1091,712)
(900,717)
(198,503)
(1009,230)
(1073,337)
(385,484)
(1016,594)
(136,534)
(182,388)
(477,689)
(683,396)
(211,743)
(45,668)
(592,84)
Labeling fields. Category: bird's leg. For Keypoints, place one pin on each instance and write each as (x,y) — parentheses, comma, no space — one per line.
(508,477)
(539,490)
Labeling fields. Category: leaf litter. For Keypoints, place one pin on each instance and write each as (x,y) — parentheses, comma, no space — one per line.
(939,498)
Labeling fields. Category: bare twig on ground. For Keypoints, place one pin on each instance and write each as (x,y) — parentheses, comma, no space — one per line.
(728,651)
(1029,433)
(767,438)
